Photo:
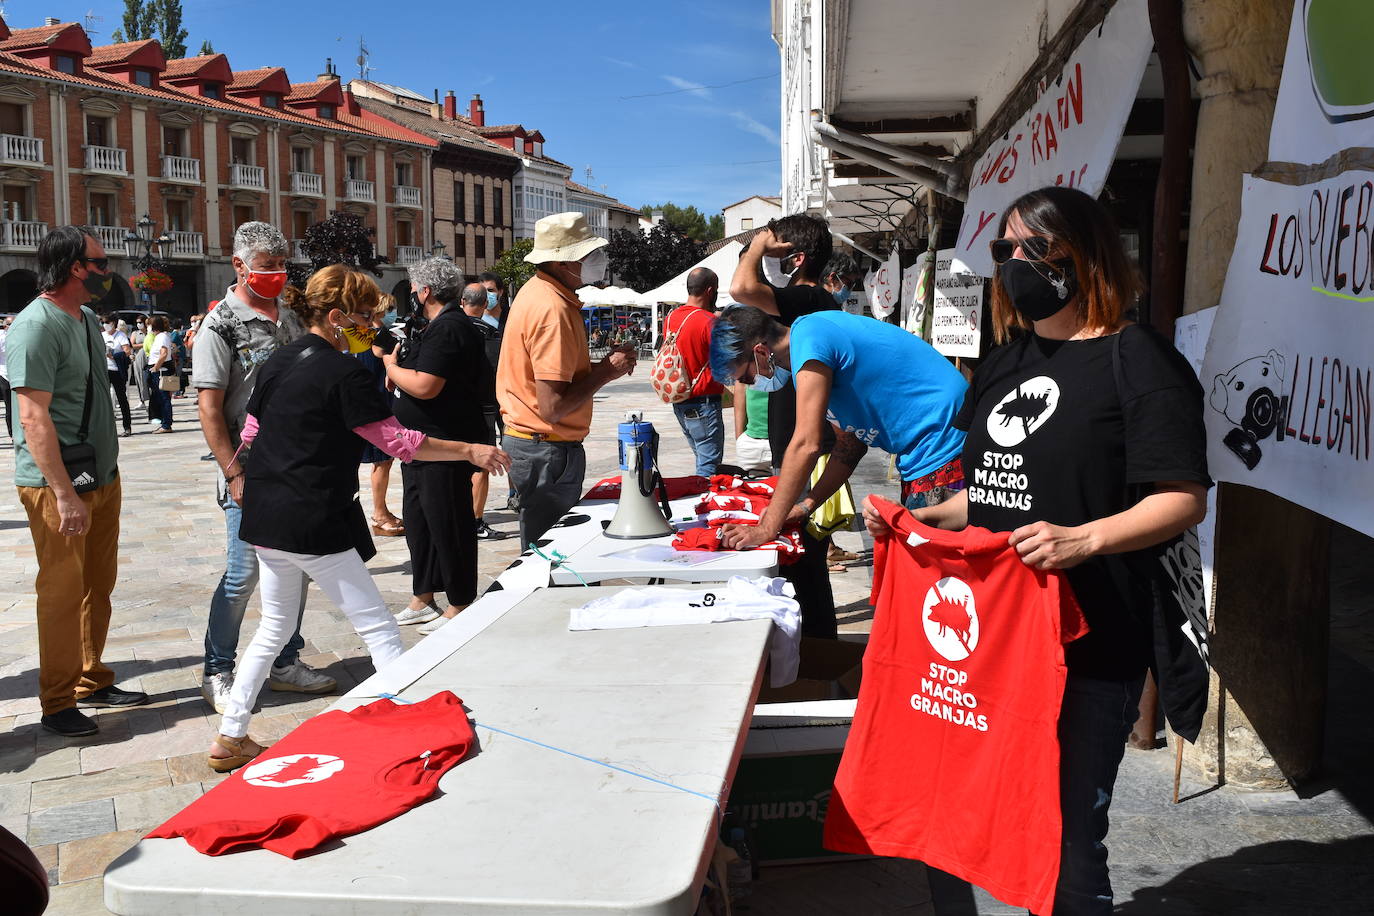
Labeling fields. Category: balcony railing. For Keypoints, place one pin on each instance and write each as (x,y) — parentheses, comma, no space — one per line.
(109,159)
(180,168)
(247,176)
(409,254)
(14,148)
(22,234)
(185,245)
(307,183)
(407,196)
(357,189)
(112,239)
(298,251)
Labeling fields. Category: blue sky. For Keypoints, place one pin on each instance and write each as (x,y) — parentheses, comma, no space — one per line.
(560,67)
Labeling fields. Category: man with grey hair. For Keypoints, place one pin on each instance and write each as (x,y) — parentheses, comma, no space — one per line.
(440,377)
(234,342)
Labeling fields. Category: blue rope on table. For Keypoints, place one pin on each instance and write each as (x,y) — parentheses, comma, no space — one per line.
(557,558)
(715,802)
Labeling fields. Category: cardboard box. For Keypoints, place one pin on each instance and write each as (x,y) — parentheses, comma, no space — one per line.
(782,788)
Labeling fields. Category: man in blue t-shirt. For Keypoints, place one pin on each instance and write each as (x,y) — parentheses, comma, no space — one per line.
(875,383)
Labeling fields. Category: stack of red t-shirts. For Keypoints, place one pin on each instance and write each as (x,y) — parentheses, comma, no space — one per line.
(338,774)
(737,501)
(678,487)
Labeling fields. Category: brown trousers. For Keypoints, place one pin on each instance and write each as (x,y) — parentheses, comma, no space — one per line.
(75,578)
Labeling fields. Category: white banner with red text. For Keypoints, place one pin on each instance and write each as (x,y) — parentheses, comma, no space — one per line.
(1289,364)
(1069,136)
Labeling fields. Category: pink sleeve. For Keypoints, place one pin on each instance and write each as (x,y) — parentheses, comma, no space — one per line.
(393,438)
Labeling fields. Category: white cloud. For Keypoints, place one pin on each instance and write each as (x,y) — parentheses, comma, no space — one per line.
(697,89)
(622,63)
(754,126)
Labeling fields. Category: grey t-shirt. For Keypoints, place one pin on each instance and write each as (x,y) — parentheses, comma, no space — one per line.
(232,344)
(44,349)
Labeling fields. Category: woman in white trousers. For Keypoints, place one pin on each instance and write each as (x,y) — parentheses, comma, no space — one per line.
(307,426)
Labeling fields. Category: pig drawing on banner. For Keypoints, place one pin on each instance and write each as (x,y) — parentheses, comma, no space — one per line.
(1249,397)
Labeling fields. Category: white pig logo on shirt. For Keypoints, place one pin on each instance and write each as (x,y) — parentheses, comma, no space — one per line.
(950,619)
(292,770)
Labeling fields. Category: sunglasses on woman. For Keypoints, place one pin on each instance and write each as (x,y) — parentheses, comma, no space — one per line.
(1036,248)
(100,264)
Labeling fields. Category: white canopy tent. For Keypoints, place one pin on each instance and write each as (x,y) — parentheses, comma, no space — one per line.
(611,295)
(722,262)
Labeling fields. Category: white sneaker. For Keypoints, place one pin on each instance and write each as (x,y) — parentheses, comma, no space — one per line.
(411,615)
(215,688)
(298,677)
(434,624)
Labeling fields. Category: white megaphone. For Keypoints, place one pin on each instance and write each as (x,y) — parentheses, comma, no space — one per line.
(639,514)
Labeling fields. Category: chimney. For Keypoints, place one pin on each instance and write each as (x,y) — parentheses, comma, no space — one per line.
(51,20)
(328,73)
(475,113)
(450,106)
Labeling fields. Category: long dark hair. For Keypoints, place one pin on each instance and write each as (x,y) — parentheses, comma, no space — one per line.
(58,252)
(1080,230)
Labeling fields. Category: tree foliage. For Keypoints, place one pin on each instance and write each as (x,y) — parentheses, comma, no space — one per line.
(512,267)
(206,48)
(643,261)
(689,220)
(341,239)
(160,19)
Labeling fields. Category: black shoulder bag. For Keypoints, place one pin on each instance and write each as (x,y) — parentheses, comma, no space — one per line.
(79,459)
(1173,571)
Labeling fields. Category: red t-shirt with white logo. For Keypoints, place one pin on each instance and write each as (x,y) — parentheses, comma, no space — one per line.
(953,757)
(338,774)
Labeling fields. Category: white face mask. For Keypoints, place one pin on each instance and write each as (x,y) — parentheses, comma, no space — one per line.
(594,267)
(775,275)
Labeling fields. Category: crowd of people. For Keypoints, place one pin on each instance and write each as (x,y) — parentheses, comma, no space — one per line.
(467,387)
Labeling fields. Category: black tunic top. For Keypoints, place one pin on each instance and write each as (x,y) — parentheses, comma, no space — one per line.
(301,480)
(449,347)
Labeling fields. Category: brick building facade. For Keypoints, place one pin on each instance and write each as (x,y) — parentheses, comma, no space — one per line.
(104,135)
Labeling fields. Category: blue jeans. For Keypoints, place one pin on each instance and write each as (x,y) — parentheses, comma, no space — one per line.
(700,419)
(231,600)
(1094,720)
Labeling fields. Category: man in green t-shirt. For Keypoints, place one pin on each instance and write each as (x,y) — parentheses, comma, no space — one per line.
(56,363)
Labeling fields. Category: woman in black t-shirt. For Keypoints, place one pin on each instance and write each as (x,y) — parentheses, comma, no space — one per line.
(1085,441)
(311,411)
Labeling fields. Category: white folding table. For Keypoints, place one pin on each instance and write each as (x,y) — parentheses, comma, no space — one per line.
(521,828)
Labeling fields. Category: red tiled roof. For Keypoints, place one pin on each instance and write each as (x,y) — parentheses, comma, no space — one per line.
(105,55)
(319,89)
(372,127)
(192,66)
(486,129)
(252,79)
(34,37)
(451,131)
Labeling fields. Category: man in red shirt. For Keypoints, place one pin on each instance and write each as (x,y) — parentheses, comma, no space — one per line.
(699,415)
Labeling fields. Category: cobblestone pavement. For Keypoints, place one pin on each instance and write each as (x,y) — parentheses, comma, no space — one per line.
(81,802)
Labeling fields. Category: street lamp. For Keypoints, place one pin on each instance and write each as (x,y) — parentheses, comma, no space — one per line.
(144,240)
(437,250)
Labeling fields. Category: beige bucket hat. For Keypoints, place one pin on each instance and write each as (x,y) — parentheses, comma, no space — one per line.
(563,237)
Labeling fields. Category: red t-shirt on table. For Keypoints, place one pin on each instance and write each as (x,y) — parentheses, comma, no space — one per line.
(694,342)
(953,757)
(338,774)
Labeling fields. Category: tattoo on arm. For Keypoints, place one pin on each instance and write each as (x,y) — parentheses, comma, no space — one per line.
(848,451)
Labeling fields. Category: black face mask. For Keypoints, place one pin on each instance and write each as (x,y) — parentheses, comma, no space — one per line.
(1038,290)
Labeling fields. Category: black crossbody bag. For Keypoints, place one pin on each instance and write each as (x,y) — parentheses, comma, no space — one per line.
(79,459)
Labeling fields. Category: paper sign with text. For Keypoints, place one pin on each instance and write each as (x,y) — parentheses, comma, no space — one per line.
(1289,370)
(957,326)
(1070,134)
(884,287)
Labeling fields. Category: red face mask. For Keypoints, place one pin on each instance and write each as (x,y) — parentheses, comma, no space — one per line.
(267,284)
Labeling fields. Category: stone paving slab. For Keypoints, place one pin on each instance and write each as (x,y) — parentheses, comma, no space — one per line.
(81,802)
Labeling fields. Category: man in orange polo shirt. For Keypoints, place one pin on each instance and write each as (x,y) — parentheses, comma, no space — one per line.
(546,379)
